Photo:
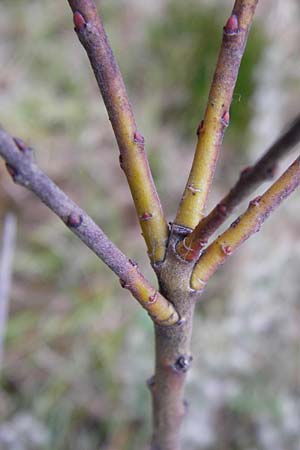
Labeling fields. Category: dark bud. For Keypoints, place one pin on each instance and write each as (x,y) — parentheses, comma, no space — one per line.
(235,223)
(183,363)
(124,284)
(255,201)
(132,262)
(74,220)
(200,127)
(222,209)
(121,161)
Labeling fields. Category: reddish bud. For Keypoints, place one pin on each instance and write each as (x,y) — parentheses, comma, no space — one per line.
(153,298)
(226,249)
(20,144)
(225,118)
(200,127)
(222,209)
(74,220)
(79,21)
(232,25)
(146,216)
(255,201)
(138,138)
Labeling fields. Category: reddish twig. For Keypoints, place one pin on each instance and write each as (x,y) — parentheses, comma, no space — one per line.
(133,160)
(245,226)
(250,178)
(211,130)
(24,171)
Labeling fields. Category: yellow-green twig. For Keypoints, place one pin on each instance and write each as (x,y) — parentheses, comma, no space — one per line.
(211,130)
(250,178)
(246,225)
(133,160)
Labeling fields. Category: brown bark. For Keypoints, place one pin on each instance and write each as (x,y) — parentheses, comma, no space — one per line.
(173,354)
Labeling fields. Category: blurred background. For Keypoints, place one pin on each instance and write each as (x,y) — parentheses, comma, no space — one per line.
(78,349)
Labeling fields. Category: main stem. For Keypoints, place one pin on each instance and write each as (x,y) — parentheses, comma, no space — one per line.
(172,353)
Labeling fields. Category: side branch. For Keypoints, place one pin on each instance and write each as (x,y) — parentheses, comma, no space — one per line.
(250,179)
(211,130)
(133,159)
(241,229)
(24,171)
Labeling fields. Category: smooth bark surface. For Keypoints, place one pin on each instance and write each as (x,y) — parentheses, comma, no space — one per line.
(250,179)
(133,159)
(24,171)
(181,277)
(173,354)
(216,119)
(245,226)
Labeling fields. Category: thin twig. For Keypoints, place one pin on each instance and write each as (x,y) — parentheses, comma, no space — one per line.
(133,159)
(25,172)
(250,179)
(6,260)
(211,130)
(245,226)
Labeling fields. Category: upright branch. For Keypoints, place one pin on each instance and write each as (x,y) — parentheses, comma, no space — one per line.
(211,129)
(133,160)
(24,171)
(245,226)
(250,179)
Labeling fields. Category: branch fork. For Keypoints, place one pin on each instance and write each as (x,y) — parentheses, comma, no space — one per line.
(24,171)
(181,257)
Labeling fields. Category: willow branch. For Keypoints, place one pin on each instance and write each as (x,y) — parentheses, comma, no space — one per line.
(24,171)
(133,159)
(216,119)
(250,179)
(245,226)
